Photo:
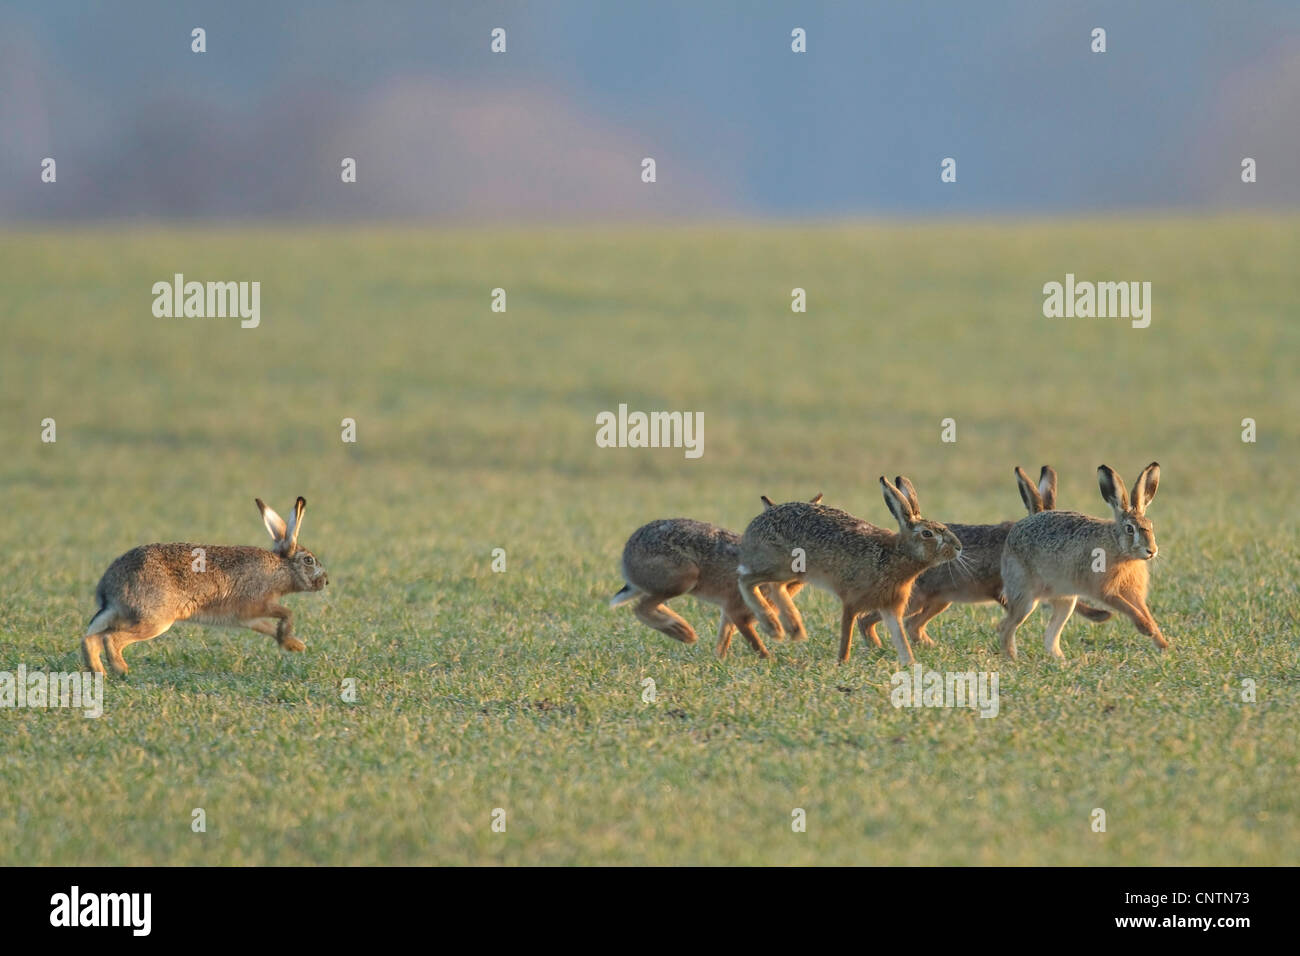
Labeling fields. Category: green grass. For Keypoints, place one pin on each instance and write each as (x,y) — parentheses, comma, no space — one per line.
(522,690)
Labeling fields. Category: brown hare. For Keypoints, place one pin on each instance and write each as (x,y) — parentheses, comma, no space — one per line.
(148,589)
(676,556)
(868,568)
(975,577)
(1058,556)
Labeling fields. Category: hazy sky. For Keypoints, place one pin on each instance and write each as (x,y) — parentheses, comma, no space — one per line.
(555,128)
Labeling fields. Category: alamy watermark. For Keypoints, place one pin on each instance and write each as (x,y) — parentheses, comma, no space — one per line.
(651,430)
(1102,300)
(211,300)
(922,688)
(82,690)
(130,910)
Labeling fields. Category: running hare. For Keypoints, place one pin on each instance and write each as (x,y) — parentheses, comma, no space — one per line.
(675,556)
(1056,556)
(868,568)
(148,589)
(975,577)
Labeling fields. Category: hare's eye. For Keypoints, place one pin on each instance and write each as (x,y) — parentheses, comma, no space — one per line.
(309,559)
(927,533)
(1128,529)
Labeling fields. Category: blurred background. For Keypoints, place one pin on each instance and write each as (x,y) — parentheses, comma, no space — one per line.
(555,129)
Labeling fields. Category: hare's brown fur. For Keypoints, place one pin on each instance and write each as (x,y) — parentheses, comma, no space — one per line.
(976,577)
(868,568)
(675,556)
(1050,556)
(148,589)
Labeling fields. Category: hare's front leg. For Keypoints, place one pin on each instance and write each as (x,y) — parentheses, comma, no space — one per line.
(891,617)
(847,617)
(272,630)
(1137,609)
(284,628)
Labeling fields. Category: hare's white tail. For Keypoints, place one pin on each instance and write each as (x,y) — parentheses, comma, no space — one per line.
(626,594)
(101,621)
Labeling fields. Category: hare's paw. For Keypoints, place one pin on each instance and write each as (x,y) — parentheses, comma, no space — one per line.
(92,645)
(293,644)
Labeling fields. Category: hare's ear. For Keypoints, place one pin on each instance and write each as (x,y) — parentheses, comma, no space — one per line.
(1146,486)
(1028,493)
(1112,490)
(898,505)
(909,492)
(295,526)
(767,503)
(274,523)
(1047,487)
(815,499)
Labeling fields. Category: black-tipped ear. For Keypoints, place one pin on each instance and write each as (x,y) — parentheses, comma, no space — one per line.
(1028,493)
(1047,487)
(909,493)
(898,505)
(767,503)
(299,507)
(275,525)
(1112,488)
(1144,489)
(815,499)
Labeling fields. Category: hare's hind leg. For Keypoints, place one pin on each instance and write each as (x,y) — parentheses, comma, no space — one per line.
(650,610)
(1018,608)
(932,608)
(92,645)
(1062,608)
(867,625)
(791,620)
(116,639)
(725,630)
(759,605)
(1018,598)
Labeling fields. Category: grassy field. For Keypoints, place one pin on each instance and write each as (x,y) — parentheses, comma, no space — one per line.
(522,690)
